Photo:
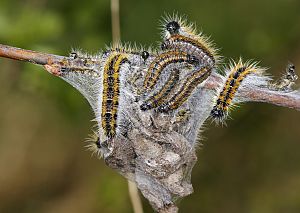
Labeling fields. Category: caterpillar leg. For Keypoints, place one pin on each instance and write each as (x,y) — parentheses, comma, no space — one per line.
(188,86)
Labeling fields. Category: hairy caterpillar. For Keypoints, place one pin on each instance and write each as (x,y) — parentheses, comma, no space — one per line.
(110,95)
(287,80)
(238,72)
(83,65)
(181,37)
(117,65)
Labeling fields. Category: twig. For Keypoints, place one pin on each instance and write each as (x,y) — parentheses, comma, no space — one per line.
(135,197)
(29,55)
(115,21)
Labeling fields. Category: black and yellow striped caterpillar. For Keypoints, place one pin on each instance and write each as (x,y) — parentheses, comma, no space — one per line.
(237,73)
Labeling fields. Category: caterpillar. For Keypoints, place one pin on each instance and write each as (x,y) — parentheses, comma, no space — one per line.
(161,62)
(79,64)
(287,80)
(110,95)
(192,81)
(178,36)
(238,72)
(190,46)
(159,97)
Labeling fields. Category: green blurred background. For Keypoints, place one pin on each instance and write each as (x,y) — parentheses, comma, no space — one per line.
(252,165)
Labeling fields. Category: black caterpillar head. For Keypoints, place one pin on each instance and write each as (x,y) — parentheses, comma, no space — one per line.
(192,60)
(145,55)
(163,108)
(218,114)
(173,27)
(164,46)
(145,106)
(73,55)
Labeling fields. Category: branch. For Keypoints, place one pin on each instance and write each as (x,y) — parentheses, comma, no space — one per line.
(135,197)
(28,55)
(256,94)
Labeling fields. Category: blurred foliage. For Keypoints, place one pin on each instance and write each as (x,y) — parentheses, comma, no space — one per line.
(250,166)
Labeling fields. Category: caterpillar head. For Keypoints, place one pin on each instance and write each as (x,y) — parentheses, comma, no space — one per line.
(174,24)
(173,27)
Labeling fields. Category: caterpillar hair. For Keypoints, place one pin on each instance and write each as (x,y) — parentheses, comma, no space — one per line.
(94,144)
(287,80)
